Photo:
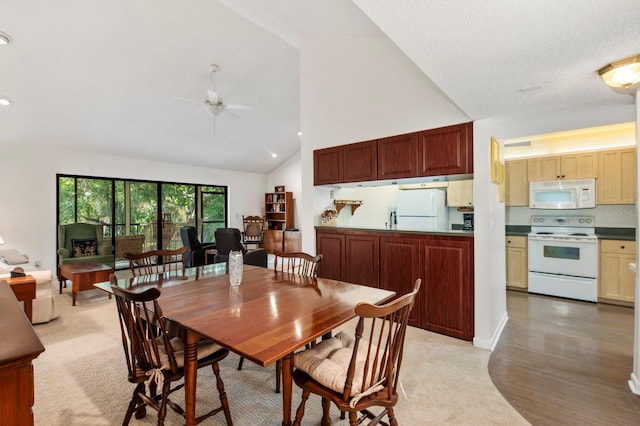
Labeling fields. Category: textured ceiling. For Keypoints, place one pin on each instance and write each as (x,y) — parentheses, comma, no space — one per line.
(129,78)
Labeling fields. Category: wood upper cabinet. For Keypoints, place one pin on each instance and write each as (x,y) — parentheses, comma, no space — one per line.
(362,259)
(399,269)
(398,156)
(332,247)
(580,165)
(327,166)
(360,162)
(446,151)
(516,183)
(447,286)
(460,193)
(617,176)
(617,281)
(517,261)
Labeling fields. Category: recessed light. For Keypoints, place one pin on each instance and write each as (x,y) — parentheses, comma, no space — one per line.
(5,101)
(274,155)
(299,133)
(4,38)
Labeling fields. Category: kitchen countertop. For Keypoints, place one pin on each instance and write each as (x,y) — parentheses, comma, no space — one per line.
(452,232)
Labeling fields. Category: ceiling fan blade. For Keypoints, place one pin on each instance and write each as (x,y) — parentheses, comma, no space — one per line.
(232,114)
(238,106)
(182,98)
(212,97)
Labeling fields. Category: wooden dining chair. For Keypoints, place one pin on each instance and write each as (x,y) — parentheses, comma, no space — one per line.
(154,360)
(296,263)
(361,371)
(156,261)
(293,263)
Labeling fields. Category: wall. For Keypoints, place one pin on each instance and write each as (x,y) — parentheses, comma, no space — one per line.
(288,174)
(28,213)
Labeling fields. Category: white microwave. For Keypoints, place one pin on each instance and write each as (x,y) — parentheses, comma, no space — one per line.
(563,194)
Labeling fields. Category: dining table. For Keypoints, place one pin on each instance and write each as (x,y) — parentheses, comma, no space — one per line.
(266,318)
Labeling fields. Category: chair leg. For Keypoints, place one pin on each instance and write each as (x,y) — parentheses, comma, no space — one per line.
(278,374)
(353,418)
(162,410)
(300,410)
(392,417)
(222,393)
(133,404)
(240,363)
(326,407)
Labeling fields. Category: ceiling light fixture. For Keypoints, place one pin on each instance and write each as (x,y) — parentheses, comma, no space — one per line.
(5,101)
(623,75)
(299,133)
(4,38)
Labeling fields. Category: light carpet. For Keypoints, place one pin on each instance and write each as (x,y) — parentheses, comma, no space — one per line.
(81,380)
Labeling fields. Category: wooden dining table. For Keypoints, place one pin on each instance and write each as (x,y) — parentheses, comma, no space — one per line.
(265,319)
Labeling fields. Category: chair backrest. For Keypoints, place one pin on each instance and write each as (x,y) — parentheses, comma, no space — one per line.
(296,263)
(253,228)
(78,231)
(156,261)
(189,236)
(379,346)
(229,239)
(143,331)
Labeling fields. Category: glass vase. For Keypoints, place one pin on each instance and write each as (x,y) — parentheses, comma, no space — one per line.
(235,268)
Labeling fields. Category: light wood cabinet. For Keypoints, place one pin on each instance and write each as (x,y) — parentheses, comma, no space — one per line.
(580,165)
(517,268)
(616,282)
(516,183)
(460,193)
(617,181)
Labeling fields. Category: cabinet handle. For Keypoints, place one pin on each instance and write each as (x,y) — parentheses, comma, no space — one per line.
(557,177)
(508,241)
(622,247)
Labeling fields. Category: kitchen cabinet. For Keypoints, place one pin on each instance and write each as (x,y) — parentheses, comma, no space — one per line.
(460,193)
(444,263)
(617,181)
(398,156)
(278,210)
(285,241)
(580,165)
(516,183)
(446,150)
(616,282)
(356,162)
(362,256)
(516,261)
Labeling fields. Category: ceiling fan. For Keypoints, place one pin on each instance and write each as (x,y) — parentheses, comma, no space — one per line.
(215,103)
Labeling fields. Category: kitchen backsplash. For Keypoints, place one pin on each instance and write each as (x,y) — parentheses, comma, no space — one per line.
(615,216)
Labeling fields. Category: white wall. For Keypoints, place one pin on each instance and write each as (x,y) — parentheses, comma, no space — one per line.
(28,202)
(289,175)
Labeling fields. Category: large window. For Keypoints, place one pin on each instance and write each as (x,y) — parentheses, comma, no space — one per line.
(155,210)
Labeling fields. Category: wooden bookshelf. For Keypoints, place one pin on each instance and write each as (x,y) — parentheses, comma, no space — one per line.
(278,210)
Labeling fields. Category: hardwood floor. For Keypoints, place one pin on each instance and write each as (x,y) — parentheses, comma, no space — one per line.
(566,362)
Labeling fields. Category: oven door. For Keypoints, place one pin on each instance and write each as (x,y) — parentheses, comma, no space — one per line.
(566,257)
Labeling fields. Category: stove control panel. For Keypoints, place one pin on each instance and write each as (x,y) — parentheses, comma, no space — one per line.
(586,221)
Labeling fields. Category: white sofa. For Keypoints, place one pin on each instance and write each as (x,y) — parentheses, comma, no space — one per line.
(44,305)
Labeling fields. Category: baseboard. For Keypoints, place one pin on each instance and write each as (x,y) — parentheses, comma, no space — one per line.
(634,384)
(491,343)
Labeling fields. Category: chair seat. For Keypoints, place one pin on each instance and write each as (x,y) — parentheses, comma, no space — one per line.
(205,349)
(328,362)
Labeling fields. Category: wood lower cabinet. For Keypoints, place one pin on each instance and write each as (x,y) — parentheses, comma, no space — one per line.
(517,262)
(394,260)
(616,282)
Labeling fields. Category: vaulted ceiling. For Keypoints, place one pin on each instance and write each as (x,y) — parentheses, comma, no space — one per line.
(130,78)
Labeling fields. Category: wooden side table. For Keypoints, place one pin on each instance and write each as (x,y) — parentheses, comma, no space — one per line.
(83,276)
(207,253)
(25,290)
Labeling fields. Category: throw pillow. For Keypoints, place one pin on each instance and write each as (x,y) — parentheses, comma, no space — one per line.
(14,256)
(83,248)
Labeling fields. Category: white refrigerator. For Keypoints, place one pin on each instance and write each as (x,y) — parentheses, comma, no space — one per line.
(422,210)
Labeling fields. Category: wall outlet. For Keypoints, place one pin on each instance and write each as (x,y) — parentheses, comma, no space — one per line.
(37,263)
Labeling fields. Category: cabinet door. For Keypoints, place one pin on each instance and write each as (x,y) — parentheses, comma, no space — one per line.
(616,281)
(460,193)
(447,270)
(327,166)
(362,260)
(332,247)
(617,177)
(272,240)
(399,269)
(360,162)
(543,168)
(517,271)
(446,151)
(579,165)
(398,156)
(516,183)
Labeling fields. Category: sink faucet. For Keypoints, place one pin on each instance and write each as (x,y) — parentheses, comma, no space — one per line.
(392,219)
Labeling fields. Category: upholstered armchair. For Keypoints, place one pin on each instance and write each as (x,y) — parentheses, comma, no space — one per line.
(83,242)
(195,255)
(230,239)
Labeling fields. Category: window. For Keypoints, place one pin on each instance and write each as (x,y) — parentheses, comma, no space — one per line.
(155,210)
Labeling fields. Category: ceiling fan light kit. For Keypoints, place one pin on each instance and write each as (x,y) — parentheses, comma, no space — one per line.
(622,75)
(4,38)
